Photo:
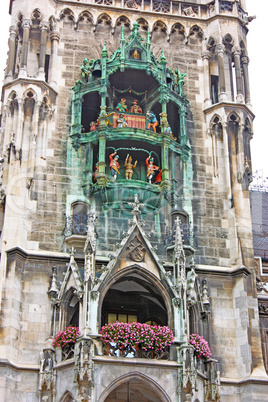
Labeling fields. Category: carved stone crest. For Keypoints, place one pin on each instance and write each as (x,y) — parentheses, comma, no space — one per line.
(136,251)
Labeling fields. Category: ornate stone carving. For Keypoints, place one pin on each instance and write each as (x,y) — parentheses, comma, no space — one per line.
(136,250)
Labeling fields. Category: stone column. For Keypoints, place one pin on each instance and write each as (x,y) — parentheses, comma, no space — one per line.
(12,52)
(44,26)
(220,54)
(206,57)
(245,61)
(238,75)
(226,161)
(183,136)
(55,38)
(26,25)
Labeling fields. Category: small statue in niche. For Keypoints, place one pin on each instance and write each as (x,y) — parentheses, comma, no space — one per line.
(121,106)
(129,167)
(94,125)
(121,121)
(86,70)
(179,81)
(135,108)
(83,397)
(135,54)
(114,165)
(152,121)
(95,173)
(151,168)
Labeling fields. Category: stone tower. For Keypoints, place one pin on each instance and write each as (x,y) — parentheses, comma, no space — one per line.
(125,165)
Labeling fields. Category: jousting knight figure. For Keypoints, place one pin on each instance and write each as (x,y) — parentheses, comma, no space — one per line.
(151,168)
(114,165)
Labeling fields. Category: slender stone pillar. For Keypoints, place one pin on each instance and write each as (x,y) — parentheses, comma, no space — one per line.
(44,26)
(206,57)
(55,38)
(238,75)
(12,52)
(26,25)
(226,161)
(245,61)
(220,53)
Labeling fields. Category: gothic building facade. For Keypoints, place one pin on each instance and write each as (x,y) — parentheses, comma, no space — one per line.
(125,166)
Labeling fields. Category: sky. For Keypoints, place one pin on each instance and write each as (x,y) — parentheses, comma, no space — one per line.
(258,54)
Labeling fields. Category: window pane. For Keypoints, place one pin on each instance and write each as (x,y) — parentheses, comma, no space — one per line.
(122,317)
(112,318)
(132,318)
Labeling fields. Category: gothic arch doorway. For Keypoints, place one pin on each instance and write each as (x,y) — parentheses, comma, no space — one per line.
(134,388)
(134,297)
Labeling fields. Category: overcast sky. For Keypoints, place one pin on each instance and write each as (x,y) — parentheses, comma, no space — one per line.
(258,54)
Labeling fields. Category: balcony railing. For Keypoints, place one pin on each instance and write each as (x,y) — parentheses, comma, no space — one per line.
(110,349)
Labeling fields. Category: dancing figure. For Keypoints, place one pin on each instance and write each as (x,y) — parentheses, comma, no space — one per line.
(135,108)
(114,165)
(121,106)
(121,121)
(151,168)
(152,121)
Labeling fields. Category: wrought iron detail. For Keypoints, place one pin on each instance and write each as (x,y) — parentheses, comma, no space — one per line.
(76,224)
(104,2)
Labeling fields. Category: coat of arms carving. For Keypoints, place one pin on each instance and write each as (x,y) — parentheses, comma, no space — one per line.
(136,252)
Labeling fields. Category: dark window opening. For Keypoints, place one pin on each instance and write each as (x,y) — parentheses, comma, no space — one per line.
(215,88)
(47,59)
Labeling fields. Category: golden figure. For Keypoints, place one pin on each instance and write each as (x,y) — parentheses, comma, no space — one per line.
(135,54)
(129,167)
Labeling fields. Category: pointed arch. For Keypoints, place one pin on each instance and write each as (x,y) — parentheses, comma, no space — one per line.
(196,31)
(67,397)
(143,279)
(159,26)
(67,14)
(228,42)
(211,44)
(19,18)
(123,21)
(104,19)
(178,29)
(36,16)
(144,26)
(85,17)
(159,394)
(233,117)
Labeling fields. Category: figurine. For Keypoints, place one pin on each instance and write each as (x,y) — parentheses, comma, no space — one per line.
(95,173)
(122,107)
(121,121)
(83,397)
(129,167)
(86,70)
(94,125)
(158,178)
(152,121)
(135,108)
(114,165)
(135,54)
(151,168)
(179,80)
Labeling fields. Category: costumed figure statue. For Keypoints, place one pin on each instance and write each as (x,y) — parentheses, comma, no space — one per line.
(121,121)
(151,168)
(114,165)
(129,167)
(95,173)
(122,107)
(83,397)
(86,70)
(179,81)
(152,121)
(94,125)
(135,108)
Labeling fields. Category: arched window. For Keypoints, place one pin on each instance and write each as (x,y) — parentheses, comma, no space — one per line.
(79,218)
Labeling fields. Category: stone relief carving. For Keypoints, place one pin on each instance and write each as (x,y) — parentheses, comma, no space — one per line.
(136,250)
